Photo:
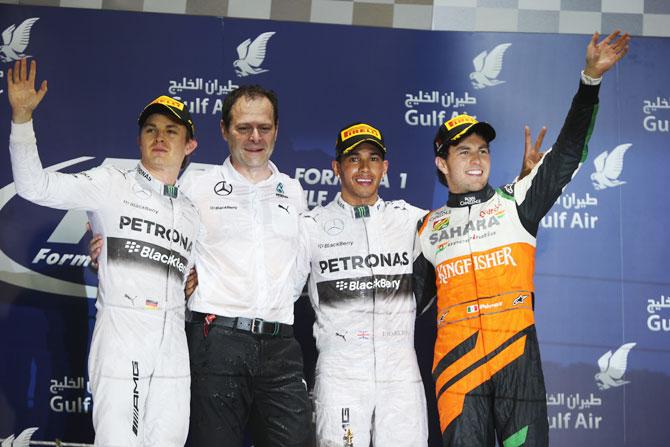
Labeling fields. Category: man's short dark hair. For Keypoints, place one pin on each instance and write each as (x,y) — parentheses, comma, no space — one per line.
(252,92)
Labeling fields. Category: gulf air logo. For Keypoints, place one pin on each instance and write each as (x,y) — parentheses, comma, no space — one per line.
(15,40)
(22,440)
(251,55)
(608,168)
(613,367)
(488,66)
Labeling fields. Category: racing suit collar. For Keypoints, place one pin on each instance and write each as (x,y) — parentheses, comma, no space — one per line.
(150,182)
(361,210)
(230,172)
(470,198)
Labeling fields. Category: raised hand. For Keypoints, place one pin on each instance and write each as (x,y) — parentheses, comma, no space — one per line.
(602,56)
(23,98)
(531,153)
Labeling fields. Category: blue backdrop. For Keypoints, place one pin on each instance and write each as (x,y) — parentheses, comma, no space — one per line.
(602,295)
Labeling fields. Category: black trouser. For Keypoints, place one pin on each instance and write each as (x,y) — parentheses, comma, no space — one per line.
(238,378)
(511,406)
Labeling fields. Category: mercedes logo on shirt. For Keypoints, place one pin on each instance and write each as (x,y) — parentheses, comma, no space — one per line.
(334,227)
(141,192)
(223,188)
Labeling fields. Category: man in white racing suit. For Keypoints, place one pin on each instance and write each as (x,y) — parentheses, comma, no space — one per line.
(138,361)
(246,365)
(361,250)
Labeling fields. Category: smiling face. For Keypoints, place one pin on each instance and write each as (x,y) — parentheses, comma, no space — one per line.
(467,165)
(360,171)
(164,143)
(251,135)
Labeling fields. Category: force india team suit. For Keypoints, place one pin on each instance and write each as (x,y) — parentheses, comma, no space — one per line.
(138,361)
(367,377)
(246,365)
(487,367)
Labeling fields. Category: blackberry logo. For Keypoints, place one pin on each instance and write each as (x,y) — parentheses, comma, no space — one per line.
(365,284)
(341,285)
(133,247)
(137,250)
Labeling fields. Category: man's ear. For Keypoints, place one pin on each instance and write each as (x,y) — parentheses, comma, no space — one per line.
(191,145)
(224,131)
(441,164)
(336,167)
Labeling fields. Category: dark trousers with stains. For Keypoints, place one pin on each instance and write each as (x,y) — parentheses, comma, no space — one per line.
(240,380)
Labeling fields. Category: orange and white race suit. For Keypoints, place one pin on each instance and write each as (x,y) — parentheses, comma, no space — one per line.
(487,367)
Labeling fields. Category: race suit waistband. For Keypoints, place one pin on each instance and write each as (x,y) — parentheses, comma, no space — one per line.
(514,300)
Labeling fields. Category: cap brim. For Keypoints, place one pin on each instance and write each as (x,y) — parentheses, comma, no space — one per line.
(483,129)
(157,108)
(163,110)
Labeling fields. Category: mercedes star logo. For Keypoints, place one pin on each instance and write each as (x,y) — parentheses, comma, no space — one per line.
(223,188)
(334,227)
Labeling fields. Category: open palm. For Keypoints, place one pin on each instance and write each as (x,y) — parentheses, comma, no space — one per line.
(602,56)
(23,98)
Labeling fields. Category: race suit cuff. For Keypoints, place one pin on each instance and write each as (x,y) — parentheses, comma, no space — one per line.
(22,133)
(587,94)
(588,80)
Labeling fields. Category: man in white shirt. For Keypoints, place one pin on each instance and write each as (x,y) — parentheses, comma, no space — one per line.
(246,366)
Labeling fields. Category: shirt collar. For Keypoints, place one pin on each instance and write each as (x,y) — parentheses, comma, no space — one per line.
(148,181)
(230,172)
(360,211)
(470,198)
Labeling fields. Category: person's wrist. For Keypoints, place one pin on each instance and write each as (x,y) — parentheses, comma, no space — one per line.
(589,78)
(21,116)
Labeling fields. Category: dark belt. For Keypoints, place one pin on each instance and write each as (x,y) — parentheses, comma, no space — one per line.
(256,326)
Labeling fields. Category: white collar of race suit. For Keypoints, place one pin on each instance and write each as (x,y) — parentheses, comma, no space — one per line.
(360,211)
(150,182)
(231,173)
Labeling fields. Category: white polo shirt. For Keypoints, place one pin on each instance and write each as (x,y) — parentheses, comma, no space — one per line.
(246,262)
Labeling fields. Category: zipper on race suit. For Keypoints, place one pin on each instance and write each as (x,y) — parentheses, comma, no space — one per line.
(374,298)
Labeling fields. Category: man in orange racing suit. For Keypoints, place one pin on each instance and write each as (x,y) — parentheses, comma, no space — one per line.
(487,368)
